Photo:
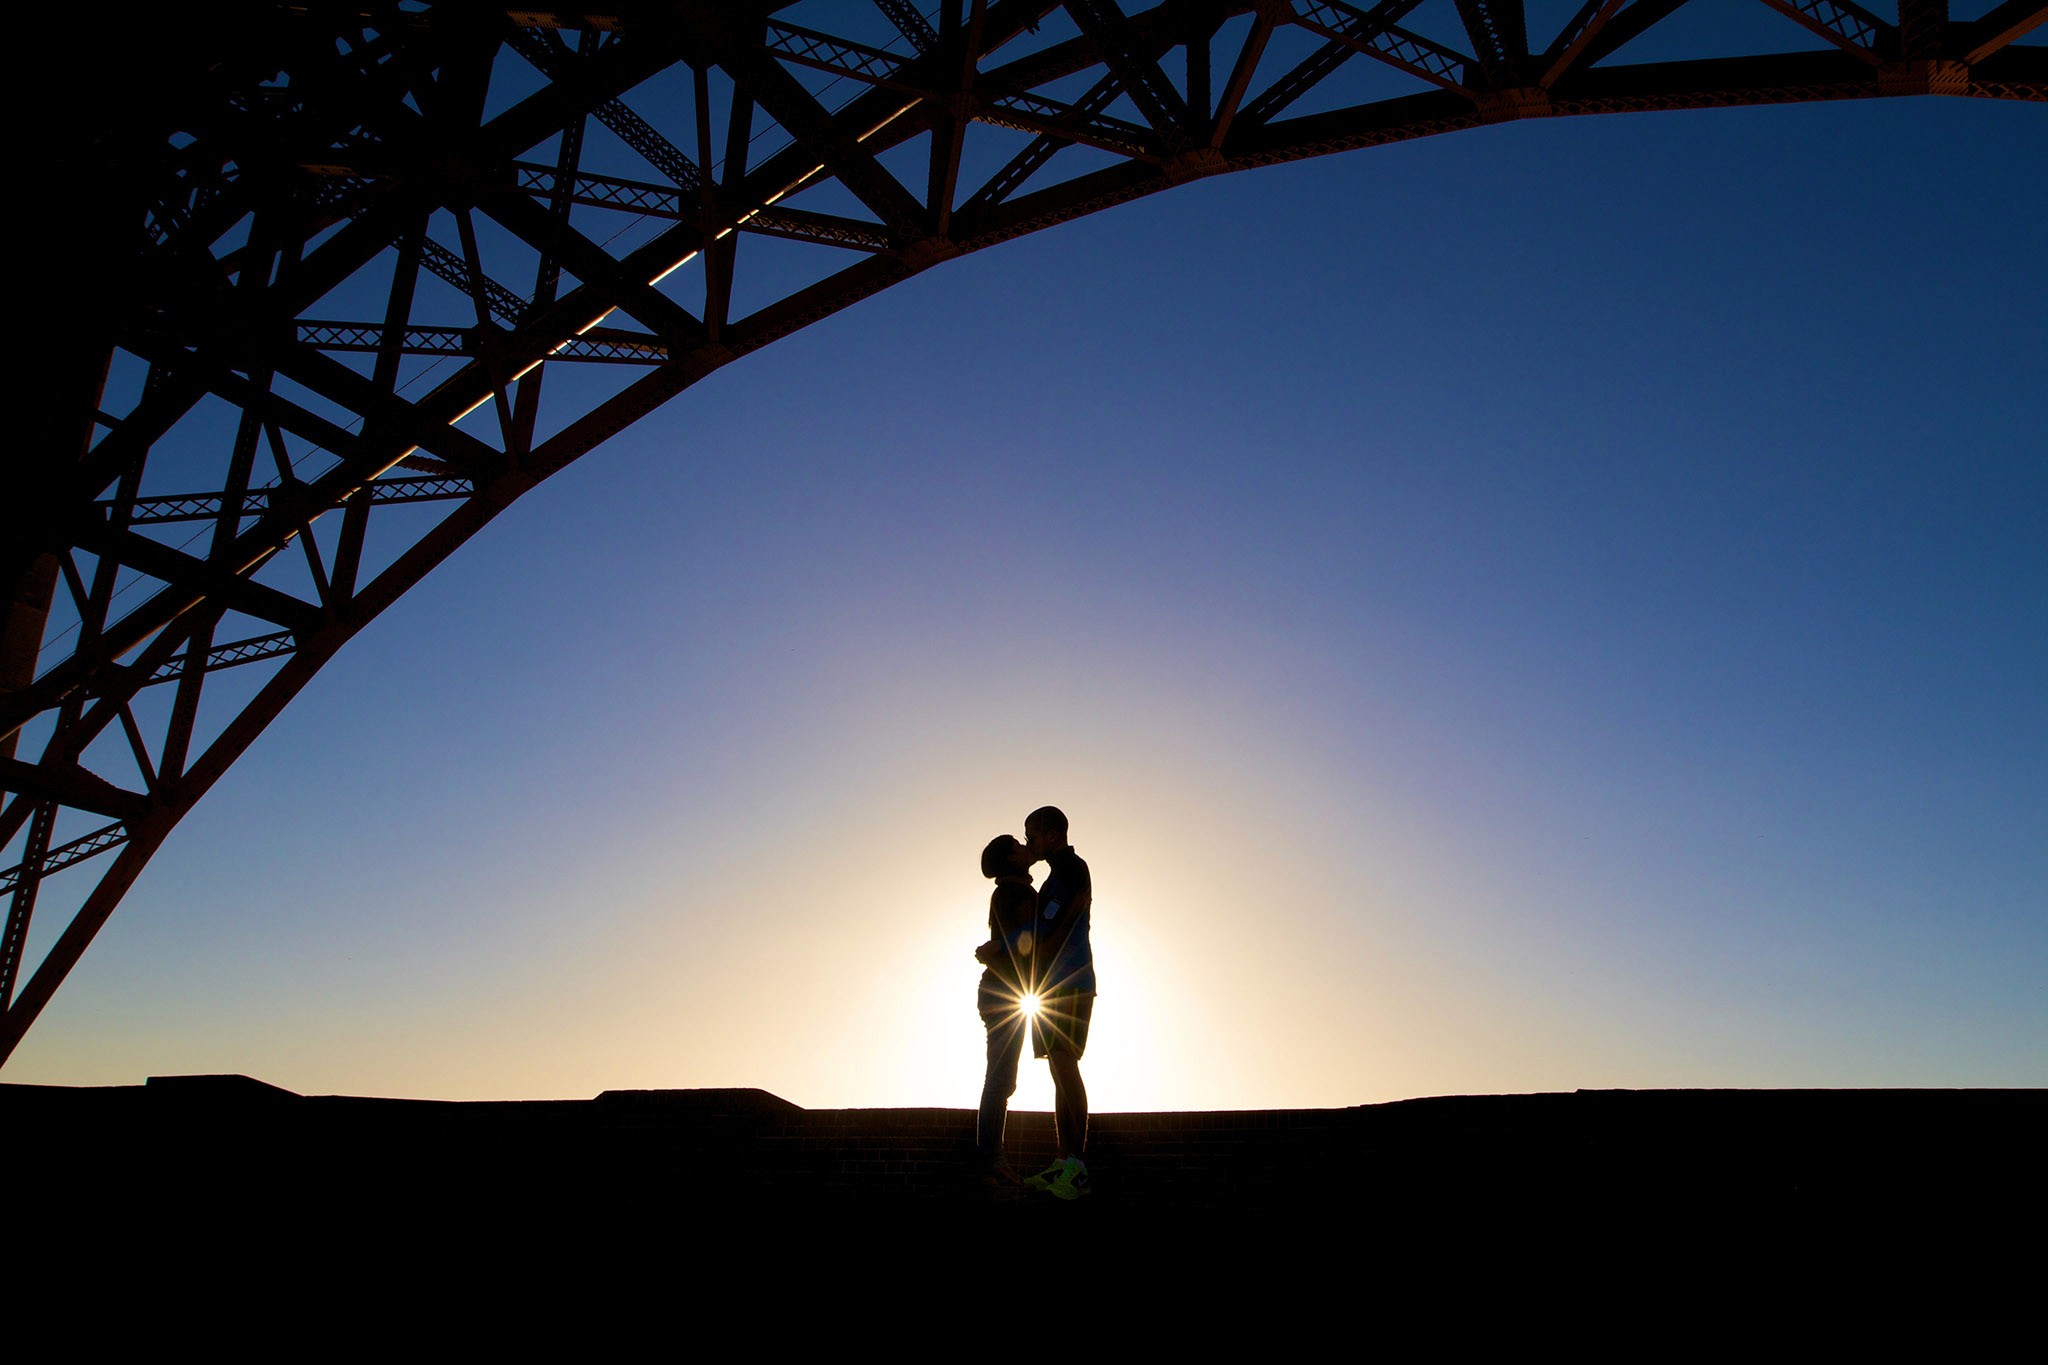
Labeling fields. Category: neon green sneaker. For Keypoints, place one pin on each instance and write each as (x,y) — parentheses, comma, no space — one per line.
(1066,1179)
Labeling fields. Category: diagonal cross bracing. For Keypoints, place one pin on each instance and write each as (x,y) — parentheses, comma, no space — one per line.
(1842,22)
(66,855)
(1375,34)
(500,301)
(839,56)
(256,501)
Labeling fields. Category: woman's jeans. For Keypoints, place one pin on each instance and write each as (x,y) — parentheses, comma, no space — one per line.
(1005,1048)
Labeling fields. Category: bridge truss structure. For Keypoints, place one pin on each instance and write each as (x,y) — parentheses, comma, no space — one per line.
(311,263)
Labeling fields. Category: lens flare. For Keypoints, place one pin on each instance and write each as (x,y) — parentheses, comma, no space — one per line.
(1029,1004)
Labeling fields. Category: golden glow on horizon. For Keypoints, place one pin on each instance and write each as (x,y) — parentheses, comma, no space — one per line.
(831,961)
(772,939)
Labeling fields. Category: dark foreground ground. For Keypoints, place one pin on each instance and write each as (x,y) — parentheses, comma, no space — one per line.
(644,1214)
(225,1210)
(239,1147)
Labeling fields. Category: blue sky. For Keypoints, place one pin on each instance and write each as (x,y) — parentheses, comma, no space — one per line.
(1556,605)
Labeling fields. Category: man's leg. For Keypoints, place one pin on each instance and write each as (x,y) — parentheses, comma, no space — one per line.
(1070,1104)
(1060,1035)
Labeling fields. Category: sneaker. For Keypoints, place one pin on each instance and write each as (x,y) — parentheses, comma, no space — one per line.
(1001,1176)
(996,1191)
(1066,1179)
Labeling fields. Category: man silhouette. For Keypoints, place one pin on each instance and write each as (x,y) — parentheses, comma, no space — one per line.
(1064,978)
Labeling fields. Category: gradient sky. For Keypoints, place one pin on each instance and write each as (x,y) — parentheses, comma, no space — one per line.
(1559,605)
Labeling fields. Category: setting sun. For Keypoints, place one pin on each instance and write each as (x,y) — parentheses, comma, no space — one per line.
(1029,1004)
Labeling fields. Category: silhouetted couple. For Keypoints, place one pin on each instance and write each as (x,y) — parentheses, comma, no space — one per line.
(1041,976)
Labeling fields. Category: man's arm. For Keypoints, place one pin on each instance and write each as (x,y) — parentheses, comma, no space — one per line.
(1015,947)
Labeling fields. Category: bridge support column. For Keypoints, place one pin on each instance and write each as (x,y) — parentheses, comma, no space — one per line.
(1504,106)
(1924,76)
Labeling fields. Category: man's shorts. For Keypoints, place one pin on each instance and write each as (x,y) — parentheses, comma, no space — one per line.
(1061,1024)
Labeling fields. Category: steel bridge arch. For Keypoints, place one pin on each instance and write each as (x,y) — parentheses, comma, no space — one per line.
(283,235)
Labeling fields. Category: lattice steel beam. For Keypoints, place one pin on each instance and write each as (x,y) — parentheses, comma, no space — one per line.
(21,883)
(1499,36)
(500,301)
(1842,22)
(910,23)
(256,501)
(201,262)
(839,56)
(606,192)
(56,860)
(1376,35)
(1068,122)
(249,651)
